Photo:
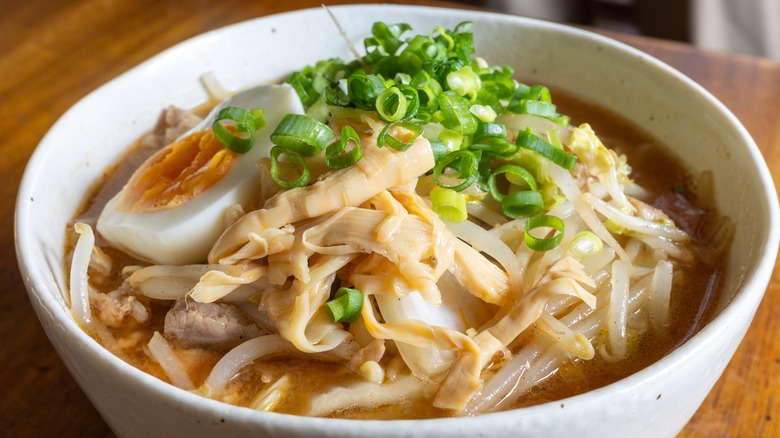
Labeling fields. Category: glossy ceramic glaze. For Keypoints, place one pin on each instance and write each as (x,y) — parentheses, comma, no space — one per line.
(655,402)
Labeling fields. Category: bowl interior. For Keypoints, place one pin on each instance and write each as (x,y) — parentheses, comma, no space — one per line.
(93,134)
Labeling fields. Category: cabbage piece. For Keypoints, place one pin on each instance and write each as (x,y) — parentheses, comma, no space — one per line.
(272,395)
(601,163)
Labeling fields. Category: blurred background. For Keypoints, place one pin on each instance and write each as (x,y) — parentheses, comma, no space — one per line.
(739,26)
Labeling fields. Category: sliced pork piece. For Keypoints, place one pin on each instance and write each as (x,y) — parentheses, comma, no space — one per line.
(115,307)
(212,325)
(648,212)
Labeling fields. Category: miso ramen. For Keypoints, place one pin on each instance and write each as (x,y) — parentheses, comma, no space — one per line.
(412,234)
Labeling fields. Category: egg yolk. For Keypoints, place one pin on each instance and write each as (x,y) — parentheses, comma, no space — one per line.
(177,173)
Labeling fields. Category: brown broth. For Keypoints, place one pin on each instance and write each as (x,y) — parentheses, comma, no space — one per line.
(654,168)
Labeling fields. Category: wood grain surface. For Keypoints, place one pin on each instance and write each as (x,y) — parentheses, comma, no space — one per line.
(53,53)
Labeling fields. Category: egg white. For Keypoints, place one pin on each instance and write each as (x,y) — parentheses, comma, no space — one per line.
(185,234)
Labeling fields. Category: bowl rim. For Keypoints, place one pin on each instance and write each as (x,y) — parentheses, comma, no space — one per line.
(747,296)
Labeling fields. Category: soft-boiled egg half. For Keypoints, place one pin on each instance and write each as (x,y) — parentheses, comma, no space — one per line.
(172,209)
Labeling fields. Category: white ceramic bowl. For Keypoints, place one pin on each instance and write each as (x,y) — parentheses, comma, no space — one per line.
(657,401)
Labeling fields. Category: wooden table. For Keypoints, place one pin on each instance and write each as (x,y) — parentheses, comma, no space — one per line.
(53,53)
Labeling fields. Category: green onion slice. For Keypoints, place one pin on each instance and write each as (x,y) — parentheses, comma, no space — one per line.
(345,305)
(399,135)
(495,146)
(464,81)
(413,99)
(499,82)
(584,244)
(468,168)
(517,175)
(449,204)
(489,130)
(302,135)
(488,98)
(485,113)
(336,158)
(245,123)
(522,204)
(391,105)
(294,158)
(304,87)
(428,90)
(386,37)
(528,140)
(397,102)
(438,148)
(536,108)
(364,88)
(456,114)
(542,244)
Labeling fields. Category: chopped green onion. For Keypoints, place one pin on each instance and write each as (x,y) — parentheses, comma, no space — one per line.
(488,98)
(428,90)
(468,167)
(304,177)
(519,174)
(558,156)
(449,204)
(484,113)
(421,50)
(542,244)
(308,89)
(562,120)
(463,39)
(453,140)
(402,78)
(438,148)
(336,158)
(397,102)
(345,305)
(386,38)
(302,135)
(520,94)
(554,138)
(423,117)
(319,110)
(522,204)
(391,104)
(495,146)
(245,123)
(489,130)
(413,98)
(524,92)
(336,96)
(464,82)
(363,89)
(540,93)
(444,37)
(536,108)
(499,83)
(455,113)
(399,141)
(584,244)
